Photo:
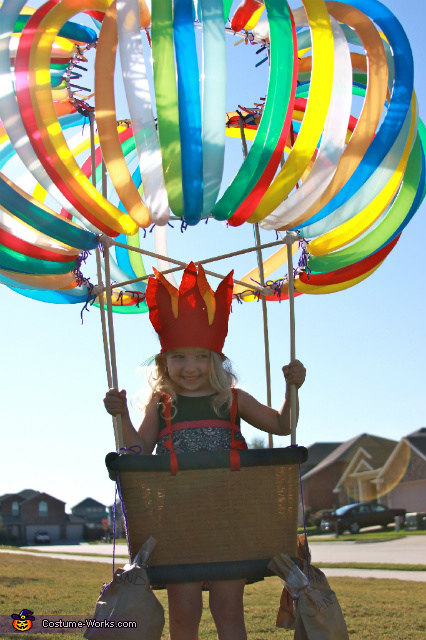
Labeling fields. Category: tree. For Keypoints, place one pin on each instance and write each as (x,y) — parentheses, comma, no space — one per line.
(257,443)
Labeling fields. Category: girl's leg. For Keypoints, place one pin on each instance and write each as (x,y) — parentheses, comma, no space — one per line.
(226,605)
(185,609)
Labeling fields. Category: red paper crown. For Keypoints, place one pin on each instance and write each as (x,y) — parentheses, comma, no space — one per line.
(194,315)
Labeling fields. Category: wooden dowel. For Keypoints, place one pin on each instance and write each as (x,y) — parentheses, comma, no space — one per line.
(262,282)
(100,282)
(290,238)
(209,273)
(242,251)
(103,320)
(119,430)
(182,265)
(104,180)
(118,427)
(206,261)
(265,332)
(92,146)
(105,336)
(243,135)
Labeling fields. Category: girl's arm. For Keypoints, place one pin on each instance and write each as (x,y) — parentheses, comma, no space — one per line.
(146,437)
(150,425)
(265,418)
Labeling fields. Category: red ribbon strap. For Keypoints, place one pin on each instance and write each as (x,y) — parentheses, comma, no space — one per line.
(236,445)
(165,399)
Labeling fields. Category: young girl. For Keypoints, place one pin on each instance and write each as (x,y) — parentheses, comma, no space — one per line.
(196,381)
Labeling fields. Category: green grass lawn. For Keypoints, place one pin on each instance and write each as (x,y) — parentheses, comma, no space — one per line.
(373,609)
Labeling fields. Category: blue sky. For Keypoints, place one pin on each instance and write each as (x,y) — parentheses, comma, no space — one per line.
(364,348)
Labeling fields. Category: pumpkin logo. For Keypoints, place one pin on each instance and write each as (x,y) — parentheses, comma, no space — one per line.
(23,621)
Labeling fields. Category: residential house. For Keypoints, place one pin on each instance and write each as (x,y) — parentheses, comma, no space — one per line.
(402,479)
(358,481)
(342,476)
(25,513)
(316,454)
(95,515)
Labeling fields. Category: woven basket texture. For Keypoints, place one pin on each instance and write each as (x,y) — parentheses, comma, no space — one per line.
(213,515)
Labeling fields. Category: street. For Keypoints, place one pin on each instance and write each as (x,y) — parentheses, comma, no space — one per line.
(408,550)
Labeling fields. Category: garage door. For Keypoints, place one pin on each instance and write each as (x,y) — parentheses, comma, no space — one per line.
(54,531)
(410,496)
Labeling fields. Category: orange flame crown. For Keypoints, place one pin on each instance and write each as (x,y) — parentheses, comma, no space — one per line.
(194,315)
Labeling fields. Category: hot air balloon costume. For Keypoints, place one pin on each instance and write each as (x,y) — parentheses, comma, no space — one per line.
(336,160)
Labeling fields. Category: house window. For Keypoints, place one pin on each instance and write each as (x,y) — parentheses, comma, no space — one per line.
(42,508)
(15,508)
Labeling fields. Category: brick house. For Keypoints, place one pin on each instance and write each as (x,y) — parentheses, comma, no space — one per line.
(29,511)
(330,482)
(367,468)
(25,513)
(316,454)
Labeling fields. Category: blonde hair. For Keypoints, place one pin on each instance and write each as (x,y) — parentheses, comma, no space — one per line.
(221,375)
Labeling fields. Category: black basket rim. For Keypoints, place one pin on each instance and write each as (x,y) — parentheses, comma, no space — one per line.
(206,459)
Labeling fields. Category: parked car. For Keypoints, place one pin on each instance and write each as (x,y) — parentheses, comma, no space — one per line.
(42,537)
(357,516)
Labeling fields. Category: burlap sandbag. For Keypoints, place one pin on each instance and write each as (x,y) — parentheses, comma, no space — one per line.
(317,613)
(286,616)
(129,598)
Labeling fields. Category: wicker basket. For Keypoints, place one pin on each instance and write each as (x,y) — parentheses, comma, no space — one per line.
(211,523)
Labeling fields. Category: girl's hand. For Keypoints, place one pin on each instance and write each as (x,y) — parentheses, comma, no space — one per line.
(115,402)
(294,373)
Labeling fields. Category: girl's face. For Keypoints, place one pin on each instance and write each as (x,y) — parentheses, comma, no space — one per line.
(188,369)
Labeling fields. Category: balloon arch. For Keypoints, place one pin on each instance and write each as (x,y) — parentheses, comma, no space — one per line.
(348,183)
